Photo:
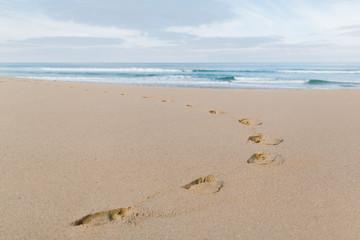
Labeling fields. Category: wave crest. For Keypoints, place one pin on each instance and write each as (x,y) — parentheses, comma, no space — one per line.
(159,70)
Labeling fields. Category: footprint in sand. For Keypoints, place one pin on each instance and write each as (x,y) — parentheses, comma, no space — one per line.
(104,217)
(265,159)
(216,112)
(204,185)
(124,94)
(249,121)
(146,97)
(207,184)
(190,105)
(265,139)
(167,101)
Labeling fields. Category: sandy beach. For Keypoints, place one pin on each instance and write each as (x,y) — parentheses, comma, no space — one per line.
(94,161)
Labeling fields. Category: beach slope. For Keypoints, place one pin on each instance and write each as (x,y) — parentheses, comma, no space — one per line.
(92,161)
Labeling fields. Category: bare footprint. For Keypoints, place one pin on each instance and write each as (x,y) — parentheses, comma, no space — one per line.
(104,217)
(166,100)
(190,105)
(265,159)
(123,94)
(249,121)
(207,184)
(265,139)
(146,97)
(216,112)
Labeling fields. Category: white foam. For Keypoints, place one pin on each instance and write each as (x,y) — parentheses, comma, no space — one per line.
(335,81)
(319,71)
(111,70)
(175,80)
(257,80)
(251,79)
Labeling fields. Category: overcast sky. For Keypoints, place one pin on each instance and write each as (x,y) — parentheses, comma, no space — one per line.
(179,30)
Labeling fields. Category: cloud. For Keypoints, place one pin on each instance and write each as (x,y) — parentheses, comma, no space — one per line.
(22,26)
(137,14)
(351,30)
(313,46)
(295,21)
(226,43)
(68,42)
(179,30)
(351,27)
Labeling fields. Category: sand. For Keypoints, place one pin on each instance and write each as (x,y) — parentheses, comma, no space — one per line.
(92,161)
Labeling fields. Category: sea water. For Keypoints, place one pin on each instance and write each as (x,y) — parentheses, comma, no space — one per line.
(196,75)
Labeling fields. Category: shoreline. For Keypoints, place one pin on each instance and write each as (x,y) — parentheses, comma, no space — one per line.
(158,162)
(2,78)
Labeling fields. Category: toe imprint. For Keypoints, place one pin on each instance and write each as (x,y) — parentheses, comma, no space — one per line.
(216,112)
(249,121)
(265,140)
(104,217)
(207,184)
(265,159)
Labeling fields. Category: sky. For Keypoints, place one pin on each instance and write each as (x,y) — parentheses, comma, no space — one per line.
(179,31)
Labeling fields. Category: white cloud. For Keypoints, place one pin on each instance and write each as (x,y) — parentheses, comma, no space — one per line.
(16,26)
(264,29)
(295,21)
(138,14)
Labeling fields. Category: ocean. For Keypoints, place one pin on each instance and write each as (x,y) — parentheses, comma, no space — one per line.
(196,75)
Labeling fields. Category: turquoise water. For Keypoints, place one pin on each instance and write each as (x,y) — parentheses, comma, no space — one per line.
(198,75)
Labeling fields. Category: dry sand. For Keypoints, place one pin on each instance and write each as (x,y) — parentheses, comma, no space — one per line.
(92,161)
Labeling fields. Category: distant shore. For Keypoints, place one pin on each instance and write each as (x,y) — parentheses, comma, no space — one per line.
(94,161)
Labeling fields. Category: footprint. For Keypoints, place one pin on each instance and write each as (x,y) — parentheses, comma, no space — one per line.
(166,100)
(207,184)
(146,97)
(123,94)
(104,217)
(249,121)
(265,159)
(265,139)
(190,105)
(216,112)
